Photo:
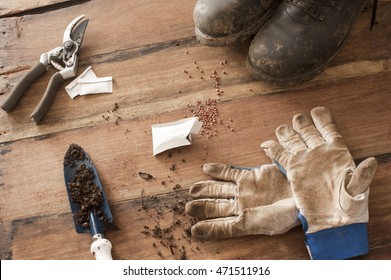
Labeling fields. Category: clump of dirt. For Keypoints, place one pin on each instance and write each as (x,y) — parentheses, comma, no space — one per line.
(83,189)
(73,154)
(145,175)
(87,194)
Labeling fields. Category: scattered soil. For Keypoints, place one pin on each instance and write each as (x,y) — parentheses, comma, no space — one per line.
(170,232)
(167,225)
(112,113)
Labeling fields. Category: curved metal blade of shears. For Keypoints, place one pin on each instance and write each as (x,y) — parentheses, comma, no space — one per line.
(75,34)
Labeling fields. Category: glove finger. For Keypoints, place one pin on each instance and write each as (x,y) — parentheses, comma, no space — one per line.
(362,177)
(213,189)
(214,229)
(222,171)
(271,219)
(276,218)
(325,124)
(307,131)
(277,153)
(211,208)
(289,139)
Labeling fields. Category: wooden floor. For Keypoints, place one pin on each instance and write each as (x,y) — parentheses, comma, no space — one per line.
(146,45)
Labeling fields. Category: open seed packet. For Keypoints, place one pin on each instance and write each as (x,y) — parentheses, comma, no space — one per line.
(167,136)
(88,83)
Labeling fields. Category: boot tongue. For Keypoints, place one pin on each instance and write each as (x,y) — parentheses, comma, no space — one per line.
(308,11)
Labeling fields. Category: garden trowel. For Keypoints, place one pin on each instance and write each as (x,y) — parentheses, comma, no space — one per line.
(89,206)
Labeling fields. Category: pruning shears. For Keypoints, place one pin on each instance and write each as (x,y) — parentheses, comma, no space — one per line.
(63,58)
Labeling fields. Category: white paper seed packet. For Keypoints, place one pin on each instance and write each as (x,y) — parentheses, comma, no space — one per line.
(167,136)
(88,83)
(96,85)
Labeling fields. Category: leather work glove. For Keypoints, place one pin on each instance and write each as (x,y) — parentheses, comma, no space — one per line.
(241,201)
(331,193)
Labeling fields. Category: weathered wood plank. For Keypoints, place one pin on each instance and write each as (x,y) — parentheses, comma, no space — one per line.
(124,25)
(138,93)
(137,25)
(17,7)
(43,237)
(121,151)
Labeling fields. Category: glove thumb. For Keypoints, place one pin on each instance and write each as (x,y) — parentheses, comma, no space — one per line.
(354,195)
(362,177)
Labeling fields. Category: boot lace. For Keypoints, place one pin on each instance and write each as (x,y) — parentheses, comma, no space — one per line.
(374,11)
(312,12)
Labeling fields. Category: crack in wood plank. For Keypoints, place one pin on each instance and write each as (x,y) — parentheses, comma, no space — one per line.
(123,55)
(16,9)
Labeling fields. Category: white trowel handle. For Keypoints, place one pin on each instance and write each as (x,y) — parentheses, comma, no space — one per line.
(101,248)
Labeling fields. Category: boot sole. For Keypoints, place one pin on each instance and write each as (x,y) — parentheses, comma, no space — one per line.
(210,41)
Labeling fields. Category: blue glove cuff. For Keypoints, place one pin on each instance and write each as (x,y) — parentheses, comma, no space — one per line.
(337,243)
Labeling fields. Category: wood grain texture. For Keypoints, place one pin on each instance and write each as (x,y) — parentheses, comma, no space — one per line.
(146,46)
(129,241)
(147,79)
(21,7)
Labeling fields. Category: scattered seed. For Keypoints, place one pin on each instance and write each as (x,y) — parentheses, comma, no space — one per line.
(206,112)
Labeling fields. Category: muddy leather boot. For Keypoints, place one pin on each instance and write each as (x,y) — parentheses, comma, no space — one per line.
(301,39)
(223,22)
